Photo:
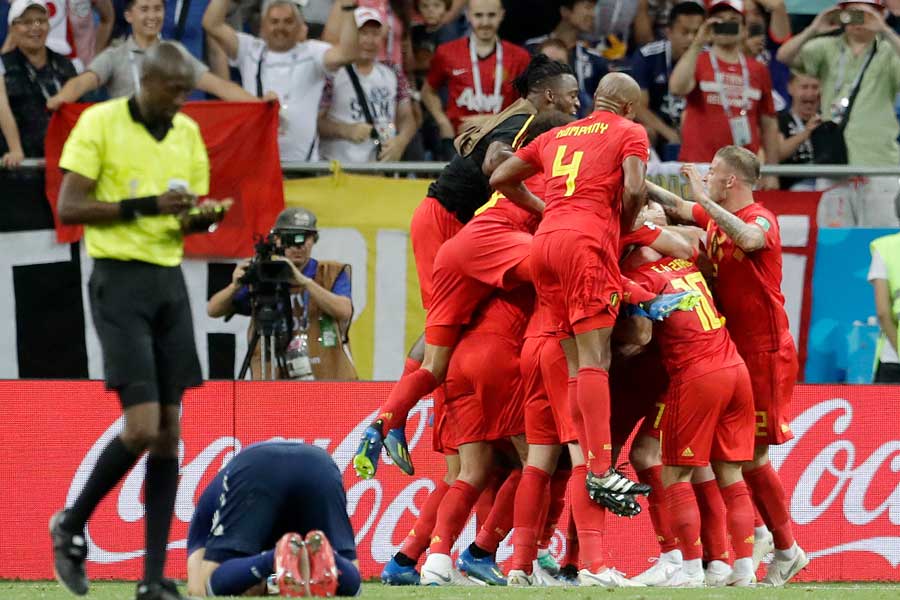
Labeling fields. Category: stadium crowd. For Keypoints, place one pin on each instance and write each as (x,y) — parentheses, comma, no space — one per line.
(394,79)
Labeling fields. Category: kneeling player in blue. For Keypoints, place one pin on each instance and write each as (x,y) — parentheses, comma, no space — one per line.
(276,509)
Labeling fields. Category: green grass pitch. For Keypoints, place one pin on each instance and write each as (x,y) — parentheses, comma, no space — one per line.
(43,590)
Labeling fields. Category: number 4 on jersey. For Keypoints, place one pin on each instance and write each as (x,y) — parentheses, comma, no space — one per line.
(569,169)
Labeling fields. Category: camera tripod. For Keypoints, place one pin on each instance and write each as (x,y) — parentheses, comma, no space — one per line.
(266,317)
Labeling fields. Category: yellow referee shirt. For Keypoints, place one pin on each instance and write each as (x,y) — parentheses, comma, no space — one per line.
(126,161)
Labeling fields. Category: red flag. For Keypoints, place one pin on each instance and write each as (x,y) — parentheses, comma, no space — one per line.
(242,142)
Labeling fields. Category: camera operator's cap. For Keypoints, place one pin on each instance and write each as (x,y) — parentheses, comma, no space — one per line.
(364,14)
(295,219)
(18,8)
(735,5)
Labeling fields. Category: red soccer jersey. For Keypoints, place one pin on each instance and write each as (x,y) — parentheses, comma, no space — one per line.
(748,287)
(500,209)
(695,342)
(705,127)
(582,163)
(644,235)
(452,66)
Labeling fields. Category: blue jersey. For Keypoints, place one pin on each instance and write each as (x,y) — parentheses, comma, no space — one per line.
(267,490)
(589,67)
(651,67)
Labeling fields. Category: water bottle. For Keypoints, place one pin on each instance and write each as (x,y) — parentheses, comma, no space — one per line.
(297,359)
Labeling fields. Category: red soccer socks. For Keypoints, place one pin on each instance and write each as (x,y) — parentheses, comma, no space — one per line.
(528,515)
(768,496)
(685,519)
(420,536)
(740,518)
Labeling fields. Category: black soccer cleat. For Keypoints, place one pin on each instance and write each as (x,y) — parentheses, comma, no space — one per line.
(616,492)
(165,589)
(69,553)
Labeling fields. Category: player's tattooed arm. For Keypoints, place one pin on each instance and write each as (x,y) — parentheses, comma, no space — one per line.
(508,179)
(496,153)
(746,236)
(674,205)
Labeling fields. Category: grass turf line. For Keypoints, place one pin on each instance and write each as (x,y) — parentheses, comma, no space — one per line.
(44,590)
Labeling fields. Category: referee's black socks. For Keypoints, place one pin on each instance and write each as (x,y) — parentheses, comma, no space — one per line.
(160,489)
(112,464)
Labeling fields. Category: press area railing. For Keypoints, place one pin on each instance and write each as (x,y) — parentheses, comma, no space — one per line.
(432,168)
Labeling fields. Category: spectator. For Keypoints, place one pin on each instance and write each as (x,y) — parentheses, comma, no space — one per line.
(651,20)
(871,128)
(32,72)
(90,35)
(432,32)
(577,21)
(729,98)
(396,15)
(613,20)
(554,49)
(795,125)
(768,26)
(477,70)
(320,300)
(118,67)
(286,63)
(347,135)
(884,274)
(660,110)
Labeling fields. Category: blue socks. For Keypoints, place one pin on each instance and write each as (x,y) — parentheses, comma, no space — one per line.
(349,581)
(236,576)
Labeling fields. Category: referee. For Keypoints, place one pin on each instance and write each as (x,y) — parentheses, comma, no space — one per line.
(134,167)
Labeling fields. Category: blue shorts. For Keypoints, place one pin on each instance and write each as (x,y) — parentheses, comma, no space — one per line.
(265,491)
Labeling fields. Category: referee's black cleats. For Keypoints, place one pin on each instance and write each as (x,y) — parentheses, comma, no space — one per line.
(614,491)
(69,553)
(164,589)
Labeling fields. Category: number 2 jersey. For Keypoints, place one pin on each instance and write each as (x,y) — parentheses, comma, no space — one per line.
(694,342)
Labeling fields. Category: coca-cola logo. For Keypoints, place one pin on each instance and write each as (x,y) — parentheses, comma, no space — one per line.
(833,476)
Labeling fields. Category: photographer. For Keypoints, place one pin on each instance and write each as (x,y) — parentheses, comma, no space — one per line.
(729,96)
(319,297)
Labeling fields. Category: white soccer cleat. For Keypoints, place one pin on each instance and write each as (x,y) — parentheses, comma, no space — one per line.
(608,577)
(664,569)
(762,547)
(782,571)
(542,577)
(519,578)
(683,579)
(717,573)
(438,570)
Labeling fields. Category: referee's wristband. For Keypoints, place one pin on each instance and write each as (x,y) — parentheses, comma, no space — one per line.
(350,7)
(133,207)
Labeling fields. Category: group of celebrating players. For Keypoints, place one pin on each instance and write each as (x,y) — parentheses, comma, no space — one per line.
(563,309)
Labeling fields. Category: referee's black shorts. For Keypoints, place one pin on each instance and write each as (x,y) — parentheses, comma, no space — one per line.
(143,318)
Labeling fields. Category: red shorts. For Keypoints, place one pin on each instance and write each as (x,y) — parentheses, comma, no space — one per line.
(637,388)
(489,249)
(576,280)
(441,441)
(431,226)
(773,375)
(709,417)
(545,376)
(484,400)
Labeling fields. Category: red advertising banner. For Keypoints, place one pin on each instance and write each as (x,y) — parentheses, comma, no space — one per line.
(841,473)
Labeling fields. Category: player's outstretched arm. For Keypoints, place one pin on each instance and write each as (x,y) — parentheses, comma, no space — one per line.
(674,205)
(671,243)
(633,194)
(746,236)
(508,179)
